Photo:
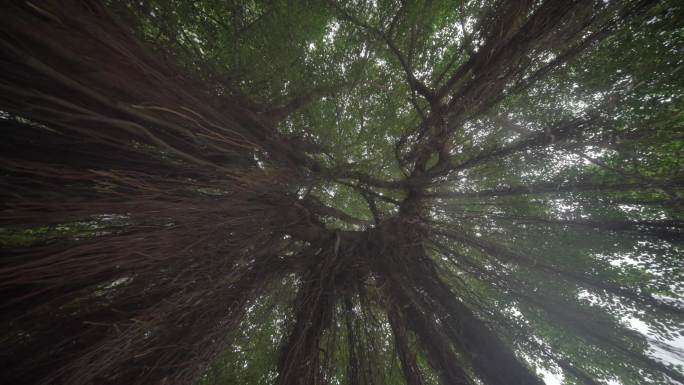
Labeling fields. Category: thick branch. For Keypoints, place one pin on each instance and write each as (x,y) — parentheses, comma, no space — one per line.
(407,357)
(557,188)
(317,207)
(534,263)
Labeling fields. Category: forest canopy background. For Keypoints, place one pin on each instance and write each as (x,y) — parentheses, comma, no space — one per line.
(322,192)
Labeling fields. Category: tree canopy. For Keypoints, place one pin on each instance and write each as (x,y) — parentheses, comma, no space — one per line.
(342,192)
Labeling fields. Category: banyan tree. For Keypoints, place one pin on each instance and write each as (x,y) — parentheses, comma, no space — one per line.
(341,192)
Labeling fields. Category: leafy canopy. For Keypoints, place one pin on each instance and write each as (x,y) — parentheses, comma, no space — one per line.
(474,192)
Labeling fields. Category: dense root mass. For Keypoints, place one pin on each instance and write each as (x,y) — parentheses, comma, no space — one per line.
(155,230)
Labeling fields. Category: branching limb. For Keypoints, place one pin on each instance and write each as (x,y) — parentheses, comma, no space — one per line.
(502,253)
(414,84)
